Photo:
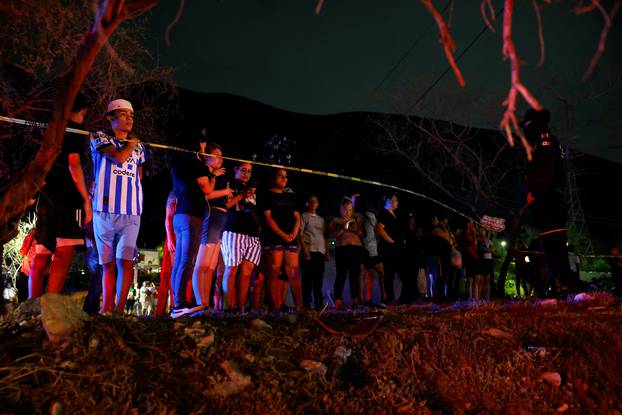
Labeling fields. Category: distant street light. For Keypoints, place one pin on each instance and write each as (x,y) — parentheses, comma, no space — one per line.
(503,244)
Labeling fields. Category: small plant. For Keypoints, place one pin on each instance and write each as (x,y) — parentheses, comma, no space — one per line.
(11,256)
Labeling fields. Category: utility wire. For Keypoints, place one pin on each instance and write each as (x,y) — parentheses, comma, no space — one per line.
(410,49)
(460,56)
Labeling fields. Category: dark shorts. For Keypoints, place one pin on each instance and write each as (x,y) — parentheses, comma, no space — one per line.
(472,267)
(57,226)
(213,226)
(281,248)
(370,262)
(488,266)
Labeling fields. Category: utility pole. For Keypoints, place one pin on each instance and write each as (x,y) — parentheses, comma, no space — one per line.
(576,217)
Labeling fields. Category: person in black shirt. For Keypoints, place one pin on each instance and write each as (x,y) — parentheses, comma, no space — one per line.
(415,251)
(58,228)
(545,194)
(241,247)
(439,258)
(280,238)
(391,247)
(217,195)
(192,182)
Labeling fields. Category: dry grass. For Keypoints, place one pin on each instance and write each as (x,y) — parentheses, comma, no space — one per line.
(483,360)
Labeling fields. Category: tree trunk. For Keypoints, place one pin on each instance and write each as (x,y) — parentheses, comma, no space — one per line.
(16,197)
(1,258)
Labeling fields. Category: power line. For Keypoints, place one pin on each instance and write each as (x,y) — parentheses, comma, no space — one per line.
(469,46)
(405,55)
(330,143)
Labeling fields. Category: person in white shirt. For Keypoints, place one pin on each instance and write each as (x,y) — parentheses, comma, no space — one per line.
(10,293)
(314,254)
(146,299)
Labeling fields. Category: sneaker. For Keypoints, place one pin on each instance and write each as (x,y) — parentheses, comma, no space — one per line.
(179,311)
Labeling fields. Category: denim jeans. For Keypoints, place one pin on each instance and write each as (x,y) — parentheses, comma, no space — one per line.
(188,238)
(92,300)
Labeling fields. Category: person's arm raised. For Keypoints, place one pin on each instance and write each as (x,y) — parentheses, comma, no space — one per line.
(118,155)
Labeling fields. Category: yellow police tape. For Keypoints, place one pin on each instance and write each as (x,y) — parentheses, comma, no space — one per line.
(258,163)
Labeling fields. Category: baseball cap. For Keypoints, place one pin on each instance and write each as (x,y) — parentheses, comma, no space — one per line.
(119,104)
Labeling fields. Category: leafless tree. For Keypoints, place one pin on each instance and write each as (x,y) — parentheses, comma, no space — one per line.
(509,122)
(469,166)
(51,50)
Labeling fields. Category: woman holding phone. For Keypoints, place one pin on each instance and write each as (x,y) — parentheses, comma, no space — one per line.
(213,226)
(241,247)
(348,231)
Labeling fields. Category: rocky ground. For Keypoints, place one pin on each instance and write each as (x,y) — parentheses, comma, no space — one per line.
(506,358)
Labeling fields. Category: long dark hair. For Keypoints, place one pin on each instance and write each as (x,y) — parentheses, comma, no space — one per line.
(362,204)
(272,175)
(191,142)
(210,146)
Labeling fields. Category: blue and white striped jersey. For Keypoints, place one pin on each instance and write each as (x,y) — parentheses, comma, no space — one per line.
(117,186)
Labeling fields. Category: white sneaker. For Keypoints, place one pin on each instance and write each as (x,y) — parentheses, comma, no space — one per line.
(179,312)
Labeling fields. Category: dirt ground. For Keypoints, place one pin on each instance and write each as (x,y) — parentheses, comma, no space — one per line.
(502,358)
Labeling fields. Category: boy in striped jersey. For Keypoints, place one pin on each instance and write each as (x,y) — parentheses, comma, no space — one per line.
(117,203)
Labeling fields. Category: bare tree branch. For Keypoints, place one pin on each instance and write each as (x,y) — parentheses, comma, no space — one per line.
(487,4)
(607,17)
(536,8)
(18,194)
(318,6)
(449,45)
(509,122)
(169,28)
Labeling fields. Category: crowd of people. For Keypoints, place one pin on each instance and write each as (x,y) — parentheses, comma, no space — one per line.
(233,247)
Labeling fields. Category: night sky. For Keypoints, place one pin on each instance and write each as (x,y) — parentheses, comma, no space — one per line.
(371,56)
(368,56)
(252,69)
